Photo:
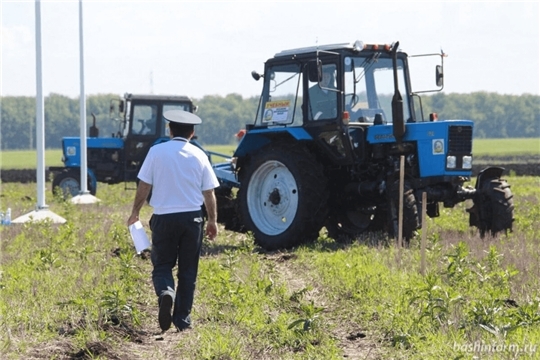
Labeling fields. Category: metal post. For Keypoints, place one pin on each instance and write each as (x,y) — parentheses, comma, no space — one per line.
(424,234)
(84,196)
(400,212)
(40,116)
(42,211)
(84,170)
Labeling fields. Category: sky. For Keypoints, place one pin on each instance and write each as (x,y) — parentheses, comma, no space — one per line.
(210,48)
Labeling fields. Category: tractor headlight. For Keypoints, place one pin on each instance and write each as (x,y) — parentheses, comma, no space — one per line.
(451,162)
(467,162)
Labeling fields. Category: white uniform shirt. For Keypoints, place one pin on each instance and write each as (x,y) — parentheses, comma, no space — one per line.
(179,172)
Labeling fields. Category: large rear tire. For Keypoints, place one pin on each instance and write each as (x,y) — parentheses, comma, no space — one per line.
(344,225)
(282,197)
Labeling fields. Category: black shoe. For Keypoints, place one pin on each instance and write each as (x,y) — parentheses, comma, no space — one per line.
(165,316)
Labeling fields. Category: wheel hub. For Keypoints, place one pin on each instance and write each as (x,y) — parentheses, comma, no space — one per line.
(272,198)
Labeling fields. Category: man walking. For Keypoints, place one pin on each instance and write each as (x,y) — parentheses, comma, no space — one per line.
(181,179)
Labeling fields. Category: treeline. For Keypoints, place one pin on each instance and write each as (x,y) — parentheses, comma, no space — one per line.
(494,115)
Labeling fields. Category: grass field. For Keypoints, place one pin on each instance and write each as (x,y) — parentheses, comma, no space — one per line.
(79,290)
(482,147)
(506,147)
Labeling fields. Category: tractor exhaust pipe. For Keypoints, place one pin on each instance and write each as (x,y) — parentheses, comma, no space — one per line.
(397,101)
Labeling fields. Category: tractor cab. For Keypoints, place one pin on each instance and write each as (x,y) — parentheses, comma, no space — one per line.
(142,125)
(335,92)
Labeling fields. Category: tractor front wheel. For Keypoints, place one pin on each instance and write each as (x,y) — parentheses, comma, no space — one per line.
(68,184)
(493,209)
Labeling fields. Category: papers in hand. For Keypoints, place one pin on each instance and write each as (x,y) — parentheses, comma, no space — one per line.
(139,236)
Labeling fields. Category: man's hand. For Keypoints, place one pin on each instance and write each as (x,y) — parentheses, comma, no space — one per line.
(211,211)
(132,219)
(140,197)
(211,230)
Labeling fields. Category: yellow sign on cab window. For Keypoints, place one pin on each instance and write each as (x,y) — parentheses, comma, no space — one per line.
(276,111)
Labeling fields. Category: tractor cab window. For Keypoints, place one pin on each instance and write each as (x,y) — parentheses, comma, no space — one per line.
(164,123)
(369,88)
(322,94)
(280,104)
(144,120)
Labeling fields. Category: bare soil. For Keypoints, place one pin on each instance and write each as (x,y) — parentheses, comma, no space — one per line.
(523,165)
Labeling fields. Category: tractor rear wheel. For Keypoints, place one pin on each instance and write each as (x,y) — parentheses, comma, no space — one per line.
(282,197)
(344,225)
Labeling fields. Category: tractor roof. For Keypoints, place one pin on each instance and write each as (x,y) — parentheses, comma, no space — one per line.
(356,46)
(157,97)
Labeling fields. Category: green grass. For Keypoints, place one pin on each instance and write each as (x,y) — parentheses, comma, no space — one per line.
(80,288)
(27,159)
(506,147)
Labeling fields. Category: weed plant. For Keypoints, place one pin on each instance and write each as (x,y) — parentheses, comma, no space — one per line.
(79,290)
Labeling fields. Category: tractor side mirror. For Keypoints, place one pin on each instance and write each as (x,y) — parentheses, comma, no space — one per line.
(115,109)
(255,75)
(314,71)
(439,75)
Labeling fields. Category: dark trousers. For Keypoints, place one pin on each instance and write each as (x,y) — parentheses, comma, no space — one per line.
(177,238)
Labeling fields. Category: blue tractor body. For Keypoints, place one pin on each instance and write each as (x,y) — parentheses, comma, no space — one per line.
(435,142)
(340,142)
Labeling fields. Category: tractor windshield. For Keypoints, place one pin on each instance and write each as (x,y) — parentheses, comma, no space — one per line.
(369,88)
(280,103)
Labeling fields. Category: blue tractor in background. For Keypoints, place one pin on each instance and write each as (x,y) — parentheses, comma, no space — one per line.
(117,158)
(325,150)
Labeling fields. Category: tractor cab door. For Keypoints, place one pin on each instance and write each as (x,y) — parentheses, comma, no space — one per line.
(143,130)
(324,104)
(281,97)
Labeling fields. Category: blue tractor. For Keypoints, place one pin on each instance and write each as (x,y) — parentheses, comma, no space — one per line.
(334,125)
(117,158)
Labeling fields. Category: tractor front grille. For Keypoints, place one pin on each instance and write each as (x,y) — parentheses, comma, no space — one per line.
(460,140)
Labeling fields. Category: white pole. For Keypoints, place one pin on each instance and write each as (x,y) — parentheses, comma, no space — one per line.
(42,211)
(40,116)
(84,182)
(84,196)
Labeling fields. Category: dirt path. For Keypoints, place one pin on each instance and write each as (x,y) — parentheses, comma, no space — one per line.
(148,342)
(354,339)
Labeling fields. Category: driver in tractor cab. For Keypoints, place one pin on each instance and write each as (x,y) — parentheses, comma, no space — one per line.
(149,125)
(323,100)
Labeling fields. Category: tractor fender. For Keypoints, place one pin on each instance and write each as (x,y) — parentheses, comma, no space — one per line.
(255,139)
(491,172)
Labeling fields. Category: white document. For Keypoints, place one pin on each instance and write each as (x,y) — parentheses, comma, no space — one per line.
(138,234)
